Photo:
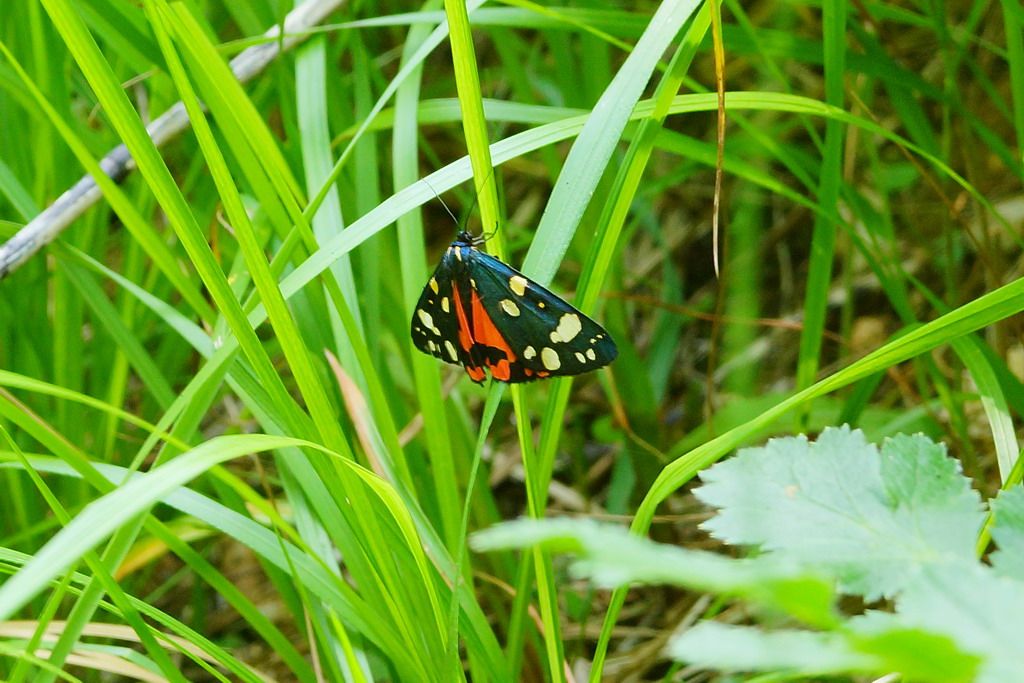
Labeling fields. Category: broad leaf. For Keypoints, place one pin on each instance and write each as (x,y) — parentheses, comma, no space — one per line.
(1008,533)
(736,648)
(611,557)
(980,610)
(873,518)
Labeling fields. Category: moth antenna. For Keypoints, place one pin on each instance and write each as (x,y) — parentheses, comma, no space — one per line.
(442,201)
(488,234)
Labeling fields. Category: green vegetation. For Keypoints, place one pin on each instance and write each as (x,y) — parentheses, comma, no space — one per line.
(221,457)
(839,515)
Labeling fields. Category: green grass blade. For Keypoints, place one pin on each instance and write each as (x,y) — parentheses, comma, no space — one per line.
(823,240)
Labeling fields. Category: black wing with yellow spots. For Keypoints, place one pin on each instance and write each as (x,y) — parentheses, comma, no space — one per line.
(481,313)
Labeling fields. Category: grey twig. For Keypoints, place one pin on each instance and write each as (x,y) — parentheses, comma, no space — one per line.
(45,227)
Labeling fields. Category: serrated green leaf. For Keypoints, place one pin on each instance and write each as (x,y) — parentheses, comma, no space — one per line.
(1008,532)
(736,648)
(611,557)
(980,610)
(929,493)
(916,472)
(918,654)
(873,519)
(875,645)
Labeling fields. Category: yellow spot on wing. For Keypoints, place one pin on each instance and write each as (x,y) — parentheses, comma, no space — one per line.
(568,327)
(433,285)
(444,304)
(529,352)
(549,357)
(517,283)
(428,321)
(591,355)
(580,357)
(451,350)
(510,307)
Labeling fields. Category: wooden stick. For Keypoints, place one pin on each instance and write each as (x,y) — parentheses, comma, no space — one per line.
(45,227)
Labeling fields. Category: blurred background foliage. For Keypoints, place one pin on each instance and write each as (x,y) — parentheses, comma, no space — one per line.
(842,229)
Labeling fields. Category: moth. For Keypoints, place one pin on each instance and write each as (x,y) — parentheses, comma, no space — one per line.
(484,315)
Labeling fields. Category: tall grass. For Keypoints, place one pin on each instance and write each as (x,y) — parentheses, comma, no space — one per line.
(232,319)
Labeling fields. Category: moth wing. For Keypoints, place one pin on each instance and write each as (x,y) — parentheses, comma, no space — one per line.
(435,325)
(548,335)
